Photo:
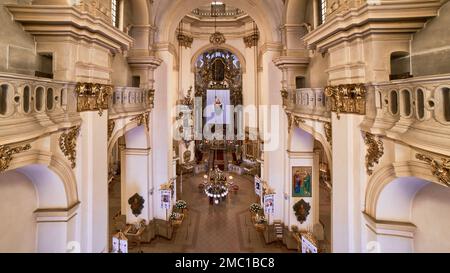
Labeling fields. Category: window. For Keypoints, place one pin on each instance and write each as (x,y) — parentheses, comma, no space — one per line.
(114,13)
(322,11)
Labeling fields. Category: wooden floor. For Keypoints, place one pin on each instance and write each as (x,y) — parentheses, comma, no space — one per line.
(225,227)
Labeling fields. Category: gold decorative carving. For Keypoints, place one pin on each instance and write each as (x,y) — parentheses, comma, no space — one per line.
(92,96)
(142,119)
(284,95)
(217,38)
(6,154)
(347,98)
(188,99)
(111,126)
(375,151)
(439,169)
(68,144)
(151,97)
(185,40)
(293,120)
(328,132)
(251,40)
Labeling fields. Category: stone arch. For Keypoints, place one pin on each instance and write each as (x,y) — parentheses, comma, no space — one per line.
(55,171)
(386,175)
(122,130)
(292,14)
(141,10)
(267,15)
(228,47)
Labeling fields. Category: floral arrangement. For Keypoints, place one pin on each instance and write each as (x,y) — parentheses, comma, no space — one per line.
(181,204)
(261,219)
(255,208)
(175,216)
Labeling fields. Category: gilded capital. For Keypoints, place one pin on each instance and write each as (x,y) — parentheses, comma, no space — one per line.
(142,119)
(440,169)
(185,40)
(347,98)
(375,151)
(93,96)
(251,40)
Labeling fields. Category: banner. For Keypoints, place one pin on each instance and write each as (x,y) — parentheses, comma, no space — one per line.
(258,185)
(269,204)
(165,199)
(308,246)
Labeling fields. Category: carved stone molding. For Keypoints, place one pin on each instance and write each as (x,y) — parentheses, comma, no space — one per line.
(111,126)
(185,40)
(284,95)
(375,151)
(188,100)
(328,132)
(347,98)
(142,119)
(92,96)
(68,144)
(6,154)
(440,169)
(251,40)
(217,38)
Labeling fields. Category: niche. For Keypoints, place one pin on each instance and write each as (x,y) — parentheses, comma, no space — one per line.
(136,81)
(45,65)
(299,82)
(400,65)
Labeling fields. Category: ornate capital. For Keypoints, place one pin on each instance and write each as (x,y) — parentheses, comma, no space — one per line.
(375,151)
(6,155)
(217,38)
(142,119)
(111,126)
(251,40)
(328,132)
(92,96)
(347,98)
(184,40)
(68,144)
(440,169)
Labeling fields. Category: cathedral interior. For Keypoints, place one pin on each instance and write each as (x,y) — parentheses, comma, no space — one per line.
(233,126)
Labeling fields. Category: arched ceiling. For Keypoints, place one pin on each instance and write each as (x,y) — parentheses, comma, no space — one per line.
(267,14)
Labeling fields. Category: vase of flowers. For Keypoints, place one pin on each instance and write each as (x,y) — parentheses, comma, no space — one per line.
(255,208)
(181,205)
(260,223)
(176,218)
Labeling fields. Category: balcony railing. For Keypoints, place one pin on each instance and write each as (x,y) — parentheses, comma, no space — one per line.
(30,107)
(226,13)
(415,111)
(308,102)
(129,101)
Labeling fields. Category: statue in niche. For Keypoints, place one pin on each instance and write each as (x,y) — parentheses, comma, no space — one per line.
(136,203)
(218,70)
(301,209)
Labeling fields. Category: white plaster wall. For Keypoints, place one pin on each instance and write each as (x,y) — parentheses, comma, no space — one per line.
(430,214)
(18,201)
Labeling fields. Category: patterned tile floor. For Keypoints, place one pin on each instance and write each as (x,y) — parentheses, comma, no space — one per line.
(225,227)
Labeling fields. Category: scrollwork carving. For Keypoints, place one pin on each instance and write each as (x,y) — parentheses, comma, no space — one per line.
(328,132)
(6,154)
(251,40)
(375,151)
(111,126)
(92,96)
(185,40)
(440,169)
(347,98)
(68,144)
(151,97)
(217,38)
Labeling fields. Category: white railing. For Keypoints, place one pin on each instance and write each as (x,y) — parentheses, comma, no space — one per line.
(226,13)
(415,111)
(129,101)
(308,102)
(30,107)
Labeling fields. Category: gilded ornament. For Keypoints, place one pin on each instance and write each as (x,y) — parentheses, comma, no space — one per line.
(68,144)
(439,169)
(328,132)
(217,38)
(6,154)
(92,96)
(184,40)
(301,210)
(111,126)
(151,97)
(142,119)
(347,98)
(251,40)
(375,151)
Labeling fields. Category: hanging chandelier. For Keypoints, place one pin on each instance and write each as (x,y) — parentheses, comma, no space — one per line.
(217,38)
(216,184)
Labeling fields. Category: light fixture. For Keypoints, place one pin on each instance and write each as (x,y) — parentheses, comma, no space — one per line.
(217,38)
(216,185)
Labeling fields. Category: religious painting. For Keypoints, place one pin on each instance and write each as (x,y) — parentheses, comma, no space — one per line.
(301,181)
(301,210)
(269,207)
(165,199)
(136,203)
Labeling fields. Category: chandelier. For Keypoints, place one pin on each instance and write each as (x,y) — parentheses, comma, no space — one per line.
(216,184)
(217,38)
